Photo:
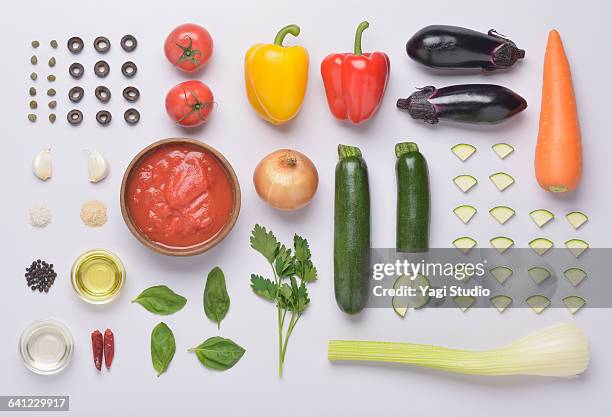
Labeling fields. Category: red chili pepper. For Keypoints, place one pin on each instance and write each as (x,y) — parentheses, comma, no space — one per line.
(109,347)
(355,83)
(96,344)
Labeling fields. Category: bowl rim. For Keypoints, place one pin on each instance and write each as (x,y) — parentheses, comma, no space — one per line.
(188,250)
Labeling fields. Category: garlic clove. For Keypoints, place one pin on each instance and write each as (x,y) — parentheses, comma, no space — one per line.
(42,165)
(97,166)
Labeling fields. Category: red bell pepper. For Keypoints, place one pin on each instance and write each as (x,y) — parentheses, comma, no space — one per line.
(355,83)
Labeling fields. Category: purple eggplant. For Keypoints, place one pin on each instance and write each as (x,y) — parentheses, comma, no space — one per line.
(470,103)
(440,46)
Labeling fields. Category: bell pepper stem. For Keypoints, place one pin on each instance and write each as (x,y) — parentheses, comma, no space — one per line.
(280,36)
(362,26)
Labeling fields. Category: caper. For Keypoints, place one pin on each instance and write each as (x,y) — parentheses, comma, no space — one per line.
(32,91)
(51,92)
(33,76)
(51,77)
(52,117)
(52,61)
(33,105)
(52,104)
(34,59)
(32,117)
(53,44)
(35,44)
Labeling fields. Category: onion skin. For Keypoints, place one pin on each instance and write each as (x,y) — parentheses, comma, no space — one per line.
(286,179)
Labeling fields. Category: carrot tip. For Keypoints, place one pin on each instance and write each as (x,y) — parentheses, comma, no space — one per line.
(557,188)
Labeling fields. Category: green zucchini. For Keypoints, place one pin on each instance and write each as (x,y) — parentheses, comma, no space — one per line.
(412,234)
(351,231)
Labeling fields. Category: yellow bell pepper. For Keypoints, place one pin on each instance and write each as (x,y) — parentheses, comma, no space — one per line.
(276,77)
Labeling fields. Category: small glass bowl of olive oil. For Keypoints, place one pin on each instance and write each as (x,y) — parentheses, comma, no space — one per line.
(97,276)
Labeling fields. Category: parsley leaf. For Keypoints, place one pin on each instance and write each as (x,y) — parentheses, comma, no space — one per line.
(283,264)
(302,251)
(264,242)
(302,297)
(263,287)
(306,271)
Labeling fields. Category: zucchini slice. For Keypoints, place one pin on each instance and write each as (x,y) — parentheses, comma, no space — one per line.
(576,246)
(400,303)
(465,182)
(464,244)
(576,219)
(538,303)
(465,213)
(574,303)
(539,274)
(501,273)
(419,300)
(541,216)
(501,302)
(501,243)
(501,180)
(575,276)
(541,245)
(502,213)
(464,301)
(463,151)
(502,150)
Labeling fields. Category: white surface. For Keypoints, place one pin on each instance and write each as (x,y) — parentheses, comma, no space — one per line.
(311,386)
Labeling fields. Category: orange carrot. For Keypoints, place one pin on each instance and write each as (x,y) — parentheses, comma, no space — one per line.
(558,159)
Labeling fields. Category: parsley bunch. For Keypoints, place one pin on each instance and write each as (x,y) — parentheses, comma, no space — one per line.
(292,272)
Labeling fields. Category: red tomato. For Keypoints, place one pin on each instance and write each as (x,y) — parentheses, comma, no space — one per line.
(188,47)
(189,103)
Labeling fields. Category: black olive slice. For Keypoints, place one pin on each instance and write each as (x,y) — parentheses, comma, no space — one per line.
(102,93)
(102,44)
(75,94)
(101,69)
(76,70)
(75,117)
(131,116)
(104,117)
(131,94)
(129,69)
(75,45)
(129,43)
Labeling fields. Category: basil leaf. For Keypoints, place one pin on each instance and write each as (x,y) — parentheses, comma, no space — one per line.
(218,353)
(216,298)
(163,347)
(160,300)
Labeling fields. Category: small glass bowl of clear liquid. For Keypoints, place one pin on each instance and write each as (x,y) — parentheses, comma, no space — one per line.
(46,346)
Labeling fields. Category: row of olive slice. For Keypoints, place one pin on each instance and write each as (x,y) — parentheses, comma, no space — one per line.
(101,44)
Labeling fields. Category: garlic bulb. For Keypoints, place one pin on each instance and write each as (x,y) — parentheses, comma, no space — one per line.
(42,165)
(98,166)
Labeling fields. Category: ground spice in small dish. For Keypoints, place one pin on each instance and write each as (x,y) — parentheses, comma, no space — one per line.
(40,216)
(40,276)
(93,213)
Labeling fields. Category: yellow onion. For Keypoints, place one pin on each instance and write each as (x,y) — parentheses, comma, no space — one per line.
(286,179)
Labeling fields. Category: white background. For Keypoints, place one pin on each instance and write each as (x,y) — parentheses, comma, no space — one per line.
(311,385)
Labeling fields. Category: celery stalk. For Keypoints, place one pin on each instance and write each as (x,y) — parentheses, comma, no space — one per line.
(558,351)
